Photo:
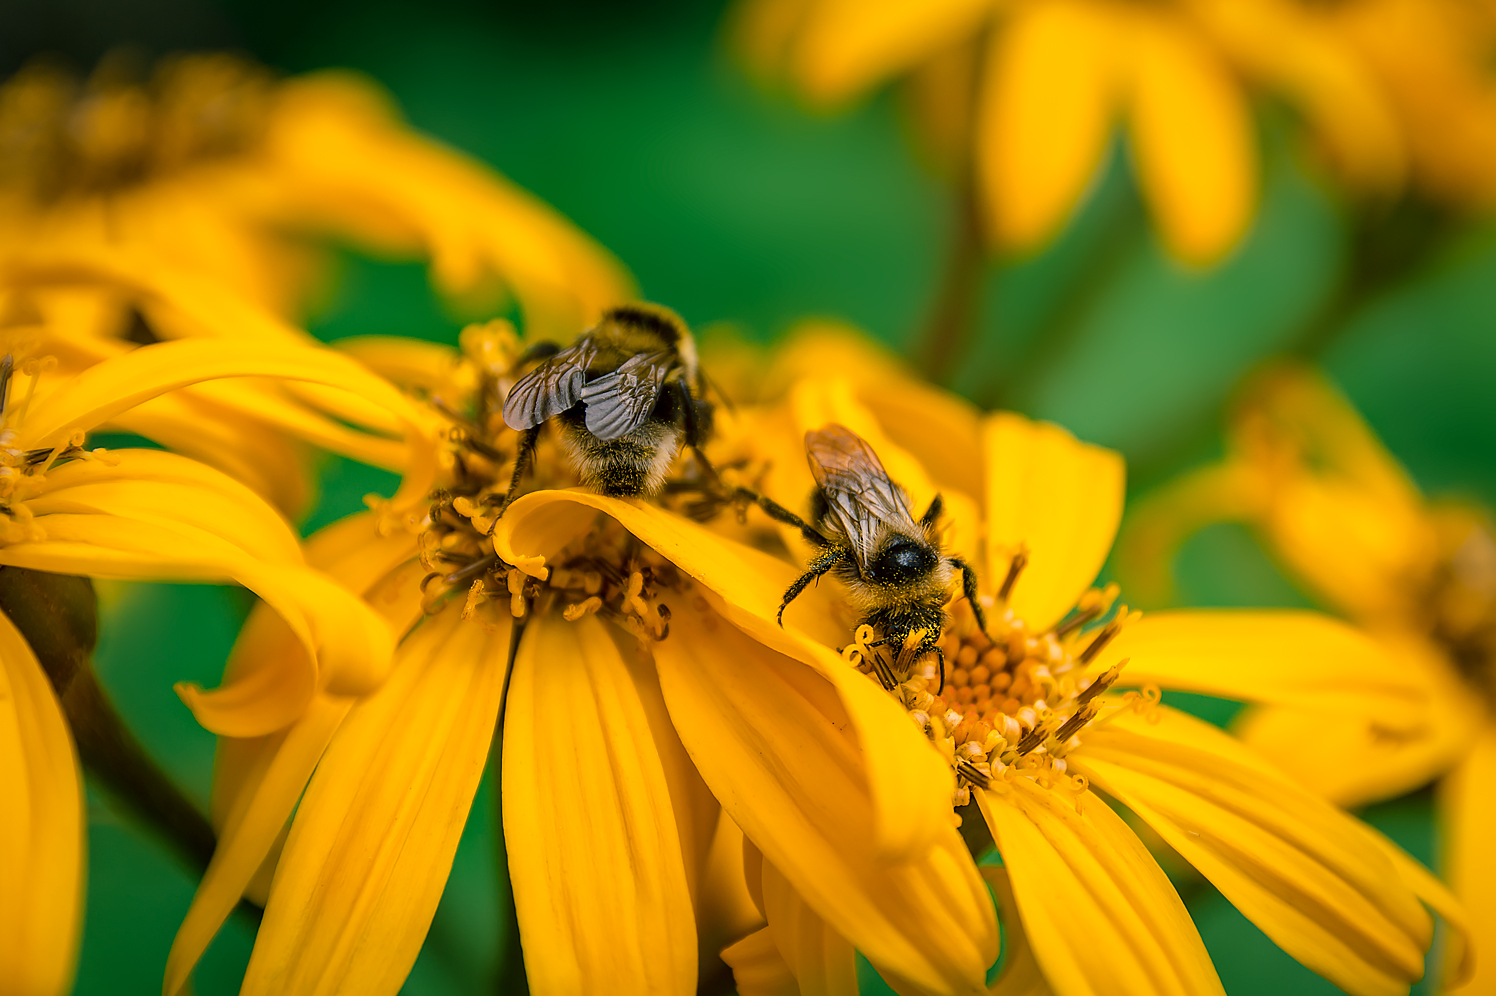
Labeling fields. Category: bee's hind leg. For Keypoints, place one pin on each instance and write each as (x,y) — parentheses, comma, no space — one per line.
(969,589)
(779,513)
(524,457)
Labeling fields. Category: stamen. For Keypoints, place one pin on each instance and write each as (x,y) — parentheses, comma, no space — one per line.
(1015,568)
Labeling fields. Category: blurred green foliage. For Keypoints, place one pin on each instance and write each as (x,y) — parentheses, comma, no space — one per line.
(736,207)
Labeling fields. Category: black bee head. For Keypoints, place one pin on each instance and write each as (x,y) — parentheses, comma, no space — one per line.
(902,562)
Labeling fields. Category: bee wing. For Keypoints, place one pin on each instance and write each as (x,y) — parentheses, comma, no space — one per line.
(857,488)
(551,388)
(618,402)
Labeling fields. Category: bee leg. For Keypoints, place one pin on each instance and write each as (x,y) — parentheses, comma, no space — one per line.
(940,656)
(693,434)
(969,589)
(779,513)
(823,562)
(937,505)
(522,461)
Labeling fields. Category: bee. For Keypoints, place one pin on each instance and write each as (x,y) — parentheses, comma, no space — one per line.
(625,396)
(893,566)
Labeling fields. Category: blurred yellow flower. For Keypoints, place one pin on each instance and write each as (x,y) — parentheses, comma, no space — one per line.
(137,515)
(1418,576)
(1030,90)
(1030,727)
(618,630)
(213,165)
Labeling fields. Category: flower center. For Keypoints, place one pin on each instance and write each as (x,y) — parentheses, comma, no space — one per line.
(1462,606)
(604,571)
(23,471)
(1015,701)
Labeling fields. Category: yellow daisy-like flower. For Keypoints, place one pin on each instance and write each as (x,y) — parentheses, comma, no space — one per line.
(137,515)
(1030,727)
(643,702)
(1031,90)
(1417,576)
(214,165)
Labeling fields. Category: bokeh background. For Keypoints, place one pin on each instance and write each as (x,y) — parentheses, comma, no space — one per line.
(742,210)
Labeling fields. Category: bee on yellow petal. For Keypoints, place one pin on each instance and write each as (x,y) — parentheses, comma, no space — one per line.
(1417,576)
(1032,720)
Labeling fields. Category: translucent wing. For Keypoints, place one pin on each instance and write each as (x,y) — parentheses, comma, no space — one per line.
(618,402)
(858,492)
(551,388)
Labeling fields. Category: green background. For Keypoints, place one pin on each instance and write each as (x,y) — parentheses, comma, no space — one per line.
(739,207)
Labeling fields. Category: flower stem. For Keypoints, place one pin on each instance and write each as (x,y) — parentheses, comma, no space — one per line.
(952,323)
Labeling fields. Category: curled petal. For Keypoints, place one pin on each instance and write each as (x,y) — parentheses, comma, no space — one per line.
(821,960)
(775,743)
(758,968)
(1467,803)
(910,785)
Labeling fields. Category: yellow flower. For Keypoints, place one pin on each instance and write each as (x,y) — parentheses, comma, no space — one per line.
(1030,727)
(214,165)
(256,431)
(1030,90)
(643,702)
(139,515)
(1418,577)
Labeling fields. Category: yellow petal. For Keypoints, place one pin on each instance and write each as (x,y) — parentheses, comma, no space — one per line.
(1056,497)
(1356,759)
(373,838)
(1100,914)
(410,362)
(940,429)
(758,968)
(846,46)
(271,790)
(350,645)
(725,911)
(1300,869)
(613,913)
(1192,140)
(345,162)
(821,960)
(1045,115)
(1460,943)
(1466,803)
(41,828)
(1021,975)
(1294,51)
(1283,657)
(107,389)
(774,741)
(257,782)
(910,785)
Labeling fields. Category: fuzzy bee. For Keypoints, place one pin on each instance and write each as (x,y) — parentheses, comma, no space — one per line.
(893,566)
(625,396)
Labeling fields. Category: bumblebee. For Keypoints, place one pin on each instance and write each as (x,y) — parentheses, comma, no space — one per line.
(893,566)
(625,396)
